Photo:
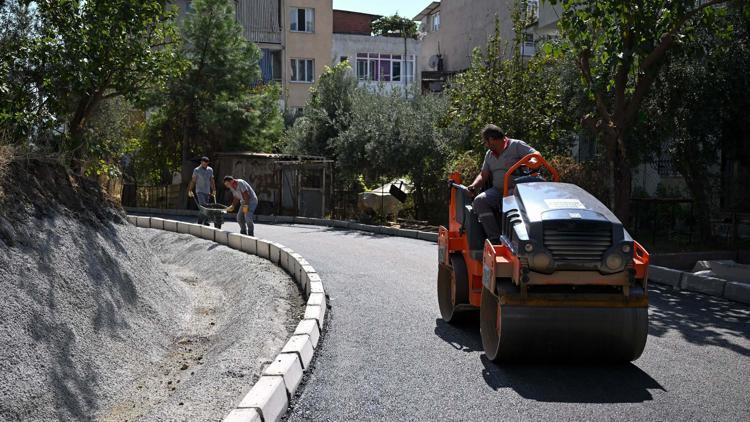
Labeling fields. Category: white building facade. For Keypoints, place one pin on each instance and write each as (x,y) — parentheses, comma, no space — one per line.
(378,60)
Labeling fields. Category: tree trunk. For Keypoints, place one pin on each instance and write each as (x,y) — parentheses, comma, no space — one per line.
(620,178)
(696,177)
(77,124)
(187,165)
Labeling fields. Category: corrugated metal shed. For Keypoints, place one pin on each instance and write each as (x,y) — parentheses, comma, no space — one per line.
(260,20)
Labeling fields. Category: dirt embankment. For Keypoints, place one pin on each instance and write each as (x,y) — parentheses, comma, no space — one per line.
(101,320)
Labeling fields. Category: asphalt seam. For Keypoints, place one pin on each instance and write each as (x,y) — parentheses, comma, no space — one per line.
(269,398)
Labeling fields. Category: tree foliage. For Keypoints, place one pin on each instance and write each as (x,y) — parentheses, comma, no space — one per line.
(620,48)
(395,25)
(530,101)
(694,114)
(71,55)
(325,114)
(217,102)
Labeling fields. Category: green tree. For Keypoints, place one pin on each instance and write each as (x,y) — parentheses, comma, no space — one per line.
(396,25)
(527,99)
(94,50)
(69,56)
(620,48)
(216,103)
(326,113)
(694,111)
(392,135)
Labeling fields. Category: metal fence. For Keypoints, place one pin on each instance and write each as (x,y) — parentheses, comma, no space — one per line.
(164,197)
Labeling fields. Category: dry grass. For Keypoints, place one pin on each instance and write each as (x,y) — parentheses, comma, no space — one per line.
(7,154)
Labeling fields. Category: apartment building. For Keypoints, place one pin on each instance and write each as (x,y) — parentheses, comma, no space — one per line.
(453,28)
(308,41)
(376,60)
(295,38)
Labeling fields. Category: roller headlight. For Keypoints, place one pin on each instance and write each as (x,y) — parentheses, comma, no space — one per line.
(626,248)
(614,261)
(541,261)
(529,248)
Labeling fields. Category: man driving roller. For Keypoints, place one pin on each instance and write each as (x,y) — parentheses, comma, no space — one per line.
(502,153)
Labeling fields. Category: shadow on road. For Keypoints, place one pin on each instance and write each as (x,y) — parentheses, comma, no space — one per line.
(624,383)
(463,335)
(700,319)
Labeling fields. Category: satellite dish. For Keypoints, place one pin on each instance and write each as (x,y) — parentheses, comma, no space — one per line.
(433,62)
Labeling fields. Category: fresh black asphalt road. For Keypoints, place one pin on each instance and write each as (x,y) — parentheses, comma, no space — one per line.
(387,354)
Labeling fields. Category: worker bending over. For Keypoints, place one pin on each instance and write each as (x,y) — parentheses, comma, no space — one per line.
(248,201)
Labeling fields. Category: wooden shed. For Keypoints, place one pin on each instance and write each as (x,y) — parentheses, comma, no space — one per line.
(285,184)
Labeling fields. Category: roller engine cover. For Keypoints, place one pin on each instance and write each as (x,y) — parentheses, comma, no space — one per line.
(560,226)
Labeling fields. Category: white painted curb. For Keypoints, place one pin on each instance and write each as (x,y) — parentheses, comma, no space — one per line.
(269,398)
(279,219)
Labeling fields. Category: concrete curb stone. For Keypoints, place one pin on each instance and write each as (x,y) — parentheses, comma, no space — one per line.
(263,249)
(341,224)
(390,231)
(413,234)
(663,275)
(208,233)
(708,285)
(170,225)
(183,227)
(300,345)
(286,256)
(316,313)
(268,397)
(235,241)
(429,236)
(309,327)
(243,415)
(249,244)
(133,220)
(316,299)
(195,229)
(289,367)
(157,223)
(739,292)
(274,252)
(144,222)
(221,237)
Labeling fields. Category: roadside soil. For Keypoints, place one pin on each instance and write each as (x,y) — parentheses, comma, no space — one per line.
(100,320)
(241,312)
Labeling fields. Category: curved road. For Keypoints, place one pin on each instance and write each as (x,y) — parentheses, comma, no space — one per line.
(387,354)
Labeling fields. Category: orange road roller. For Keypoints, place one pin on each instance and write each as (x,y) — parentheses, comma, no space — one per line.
(565,281)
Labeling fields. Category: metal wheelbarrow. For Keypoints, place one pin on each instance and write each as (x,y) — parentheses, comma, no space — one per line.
(211,212)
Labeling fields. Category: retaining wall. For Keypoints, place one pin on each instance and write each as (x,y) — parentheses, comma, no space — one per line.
(268,399)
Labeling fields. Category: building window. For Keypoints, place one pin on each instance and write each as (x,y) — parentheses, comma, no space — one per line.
(302,70)
(270,65)
(384,67)
(436,22)
(301,20)
(528,48)
(532,11)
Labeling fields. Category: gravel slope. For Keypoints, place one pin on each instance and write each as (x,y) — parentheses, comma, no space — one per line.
(389,356)
(98,322)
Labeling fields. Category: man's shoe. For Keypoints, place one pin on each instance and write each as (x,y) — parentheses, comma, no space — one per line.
(243,232)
